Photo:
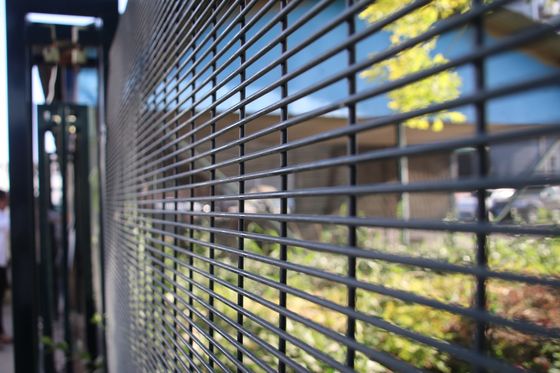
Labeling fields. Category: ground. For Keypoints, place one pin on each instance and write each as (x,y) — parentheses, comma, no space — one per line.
(6,353)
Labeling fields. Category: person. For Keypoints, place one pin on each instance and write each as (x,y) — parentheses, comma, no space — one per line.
(4,256)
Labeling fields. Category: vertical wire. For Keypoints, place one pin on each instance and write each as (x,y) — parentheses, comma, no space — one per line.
(284,186)
(241,225)
(211,252)
(482,213)
(143,259)
(152,359)
(148,270)
(142,262)
(138,288)
(65,241)
(152,296)
(352,205)
(192,207)
(167,29)
(152,265)
(404,178)
(175,204)
(162,215)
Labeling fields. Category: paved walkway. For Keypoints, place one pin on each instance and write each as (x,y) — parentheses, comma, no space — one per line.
(6,353)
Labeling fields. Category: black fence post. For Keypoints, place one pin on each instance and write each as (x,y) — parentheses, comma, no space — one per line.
(21,192)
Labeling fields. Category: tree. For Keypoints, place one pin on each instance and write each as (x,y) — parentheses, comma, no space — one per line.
(432,90)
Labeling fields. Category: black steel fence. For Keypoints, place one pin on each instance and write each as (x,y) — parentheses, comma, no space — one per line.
(328,185)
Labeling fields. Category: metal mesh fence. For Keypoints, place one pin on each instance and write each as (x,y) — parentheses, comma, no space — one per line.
(333,186)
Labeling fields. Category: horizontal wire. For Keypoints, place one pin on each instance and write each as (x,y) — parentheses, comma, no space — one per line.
(352,99)
(179,81)
(370,124)
(154,53)
(314,352)
(177,347)
(152,46)
(243,66)
(379,57)
(380,357)
(196,340)
(369,156)
(284,57)
(390,187)
(383,358)
(221,315)
(231,25)
(234,306)
(379,289)
(136,225)
(367,254)
(168,345)
(375,27)
(195,353)
(444,346)
(143,119)
(201,24)
(234,343)
(204,333)
(214,59)
(372,222)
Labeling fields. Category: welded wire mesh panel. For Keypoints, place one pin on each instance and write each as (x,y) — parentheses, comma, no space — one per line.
(334,186)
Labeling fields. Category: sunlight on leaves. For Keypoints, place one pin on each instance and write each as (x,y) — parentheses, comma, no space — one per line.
(435,89)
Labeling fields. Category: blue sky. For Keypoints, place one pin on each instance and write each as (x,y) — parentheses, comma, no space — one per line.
(501,70)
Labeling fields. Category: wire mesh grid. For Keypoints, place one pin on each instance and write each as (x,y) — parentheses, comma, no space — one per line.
(332,185)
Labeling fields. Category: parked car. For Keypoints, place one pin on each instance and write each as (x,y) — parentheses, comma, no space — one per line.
(465,206)
(524,205)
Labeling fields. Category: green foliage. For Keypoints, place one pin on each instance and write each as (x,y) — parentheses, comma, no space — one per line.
(91,365)
(432,90)
(98,320)
(536,304)
(52,345)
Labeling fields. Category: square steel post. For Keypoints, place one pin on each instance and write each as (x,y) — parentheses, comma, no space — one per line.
(22,213)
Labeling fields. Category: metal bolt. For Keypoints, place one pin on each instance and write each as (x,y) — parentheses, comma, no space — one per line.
(71,118)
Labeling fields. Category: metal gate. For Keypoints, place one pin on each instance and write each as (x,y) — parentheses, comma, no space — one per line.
(333,186)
